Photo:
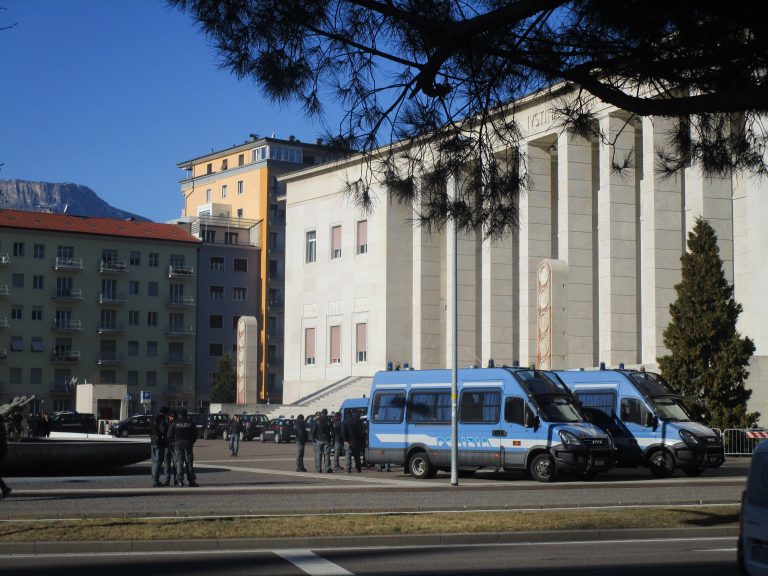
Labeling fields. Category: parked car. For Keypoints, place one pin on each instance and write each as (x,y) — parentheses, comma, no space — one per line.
(215,425)
(279,430)
(253,425)
(753,536)
(73,422)
(132,426)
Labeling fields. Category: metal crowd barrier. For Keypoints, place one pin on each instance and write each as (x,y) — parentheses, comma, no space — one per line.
(742,441)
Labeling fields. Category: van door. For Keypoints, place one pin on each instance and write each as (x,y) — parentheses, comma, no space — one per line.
(600,407)
(520,434)
(480,431)
(636,420)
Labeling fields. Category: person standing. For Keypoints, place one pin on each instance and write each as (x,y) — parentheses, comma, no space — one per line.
(301,441)
(4,489)
(45,426)
(323,432)
(235,429)
(338,441)
(353,441)
(161,457)
(183,434)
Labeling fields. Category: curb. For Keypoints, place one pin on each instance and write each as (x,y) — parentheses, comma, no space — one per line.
(409,540)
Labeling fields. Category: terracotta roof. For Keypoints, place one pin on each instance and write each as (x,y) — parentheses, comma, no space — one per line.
(88,225)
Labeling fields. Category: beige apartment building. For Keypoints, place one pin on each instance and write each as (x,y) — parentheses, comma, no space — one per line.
(239,184)
(96,301)
(587,278)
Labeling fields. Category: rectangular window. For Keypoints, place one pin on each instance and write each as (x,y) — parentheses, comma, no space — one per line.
(151,348)
(216,321)
(240,265)
(15,375)
(17,313)
(209,168)
(37,313)
(335,242)
(151,318)
(309,346)
(273,241)
(239,294)
(231,238)
(17,343)
(108,319)
(273,269)
(208,196)
(154,259)
(133,317)
(311,249)
(133,287)
(217,263)
(151,379)
(388,407)
(17,280)
(239,187)
(65,252)
(335,344)
(39,251)
(362,236)
(224,164)
(516,411)
(239,213)
(18,248)
(215,349)
(209,236)
(133,347)
(216,292)
(37,344)
(241,160)
(361,341)
(433,406)
(135,258)
(480,406)
(133,378)
(153,289)
(223,190)
(37,282)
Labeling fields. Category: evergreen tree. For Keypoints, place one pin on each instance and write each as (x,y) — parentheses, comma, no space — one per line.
(708,358)
(224,382)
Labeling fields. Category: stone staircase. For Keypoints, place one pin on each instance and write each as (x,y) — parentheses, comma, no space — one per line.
(329,397)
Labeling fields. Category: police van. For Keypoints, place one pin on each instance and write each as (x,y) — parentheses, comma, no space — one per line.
(647,421)
(508,418)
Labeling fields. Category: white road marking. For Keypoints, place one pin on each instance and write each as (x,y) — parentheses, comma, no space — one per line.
(311,563)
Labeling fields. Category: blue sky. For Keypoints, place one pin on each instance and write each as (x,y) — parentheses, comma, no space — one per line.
(112,94)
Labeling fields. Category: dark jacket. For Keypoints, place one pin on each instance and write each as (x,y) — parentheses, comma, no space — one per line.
(182,433)
(159,430)
(353,431)
(337,433)
(323,430)
(235,426)
(301,431)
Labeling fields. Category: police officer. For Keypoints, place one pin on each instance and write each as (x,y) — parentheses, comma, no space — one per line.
(161,456)
(353,440)
(183,434)
(323,435)
(301,441)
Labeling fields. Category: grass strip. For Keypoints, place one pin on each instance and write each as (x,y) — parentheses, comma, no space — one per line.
(363,524)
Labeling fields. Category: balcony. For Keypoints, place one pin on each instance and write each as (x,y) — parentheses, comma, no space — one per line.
(111,328)
(178,360)
(181,301)
(181,272)
(113,267)
(68,264)
(4,290)
(109,359)
(67,325)
(71,295)
(4,258)
(65,356)
(109,299)
(3,321)
(180,330)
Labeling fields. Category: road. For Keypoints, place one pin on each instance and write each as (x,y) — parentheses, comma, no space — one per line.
(583,557)
(262,480)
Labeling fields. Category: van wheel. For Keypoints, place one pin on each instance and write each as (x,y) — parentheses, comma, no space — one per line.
(543,468)
(420,467)
(662,464)
(693,470)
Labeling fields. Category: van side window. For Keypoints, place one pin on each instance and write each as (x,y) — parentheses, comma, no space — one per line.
(631,410)
(429,407)
(480,406)
(602,401)
(388,407)
(515,410)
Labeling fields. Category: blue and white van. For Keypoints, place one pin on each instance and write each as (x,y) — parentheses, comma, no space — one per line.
(351,406)
(647,421)
(753,523)
(508,418)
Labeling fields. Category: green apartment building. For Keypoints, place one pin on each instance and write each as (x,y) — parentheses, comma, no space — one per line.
(96,301)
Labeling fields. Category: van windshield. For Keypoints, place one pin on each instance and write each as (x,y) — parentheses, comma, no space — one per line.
(651,384)
(558,409)
(671,409)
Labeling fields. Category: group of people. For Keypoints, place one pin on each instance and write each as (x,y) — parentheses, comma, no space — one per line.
(326,431)
(173,436)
